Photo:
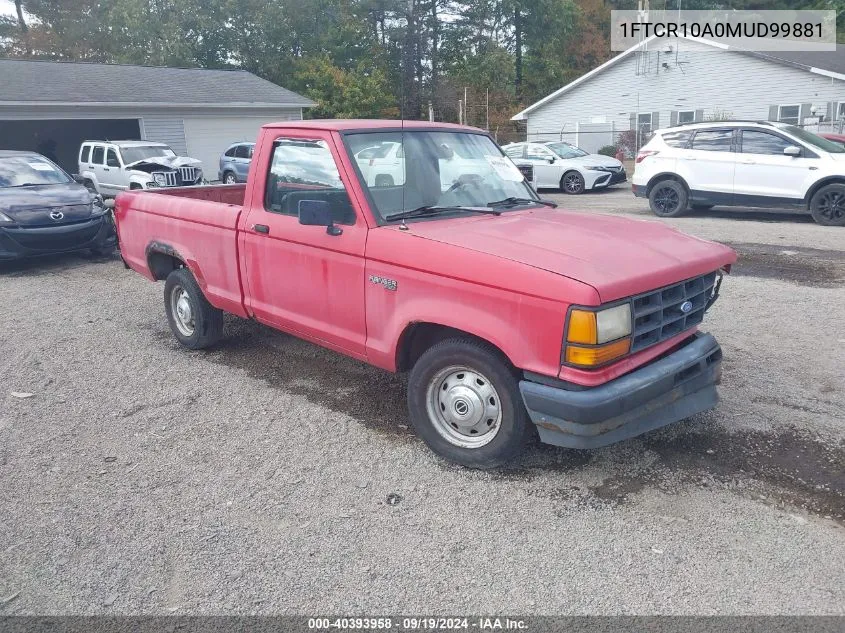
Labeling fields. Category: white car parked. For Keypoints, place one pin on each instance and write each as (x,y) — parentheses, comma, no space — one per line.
(559,165)
(742,163)
(110,167)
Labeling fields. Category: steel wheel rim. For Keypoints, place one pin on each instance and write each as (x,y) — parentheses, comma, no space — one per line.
(572,183)
(230,179)
(182,310)
(832,205)
(464,407)
(666,199)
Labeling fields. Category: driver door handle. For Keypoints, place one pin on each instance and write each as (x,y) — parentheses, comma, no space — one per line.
(261,228)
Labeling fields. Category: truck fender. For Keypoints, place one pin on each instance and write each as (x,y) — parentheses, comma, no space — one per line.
(162,259)
(139,178)
(90,175)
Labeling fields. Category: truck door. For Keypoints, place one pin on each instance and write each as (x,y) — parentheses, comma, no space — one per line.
(303,278)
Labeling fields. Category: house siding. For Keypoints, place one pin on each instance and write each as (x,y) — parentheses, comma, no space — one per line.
(704,79)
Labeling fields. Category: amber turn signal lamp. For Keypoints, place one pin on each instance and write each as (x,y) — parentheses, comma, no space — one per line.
(599,355)
(582,327)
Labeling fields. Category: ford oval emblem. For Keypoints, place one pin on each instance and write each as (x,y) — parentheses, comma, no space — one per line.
(686,307)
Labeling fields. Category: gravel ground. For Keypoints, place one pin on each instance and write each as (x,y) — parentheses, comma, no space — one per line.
(271,476)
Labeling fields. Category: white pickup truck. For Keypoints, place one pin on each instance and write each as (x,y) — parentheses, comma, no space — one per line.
(110,167)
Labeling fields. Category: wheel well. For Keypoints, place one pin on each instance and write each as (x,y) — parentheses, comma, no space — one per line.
(418,337)
(163,260)
(667,176)
(135,185)
(826,181)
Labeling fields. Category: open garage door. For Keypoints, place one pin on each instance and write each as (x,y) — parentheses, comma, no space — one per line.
(59,139)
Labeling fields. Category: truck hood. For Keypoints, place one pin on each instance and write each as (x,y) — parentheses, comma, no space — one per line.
(619,257)
(163,162)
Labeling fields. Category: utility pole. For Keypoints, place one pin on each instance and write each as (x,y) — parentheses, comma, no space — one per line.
(460,112)
(487,110)
(466,107)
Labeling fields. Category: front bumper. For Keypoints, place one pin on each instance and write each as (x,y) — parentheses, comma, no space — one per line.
(665,391)
(608,178)
(18,242)
(639,191)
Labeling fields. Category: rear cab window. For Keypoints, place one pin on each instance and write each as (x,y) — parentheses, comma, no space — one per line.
(302,169)
(713,140)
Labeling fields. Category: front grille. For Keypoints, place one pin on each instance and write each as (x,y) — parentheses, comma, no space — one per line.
(165,178)
(188,175)
(46,240)
(658,315)
(527,171)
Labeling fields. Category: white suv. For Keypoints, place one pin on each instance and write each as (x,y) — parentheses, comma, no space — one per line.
(110,167)
(742,163)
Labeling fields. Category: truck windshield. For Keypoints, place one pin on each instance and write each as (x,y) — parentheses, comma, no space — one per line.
(23,171)
(414,169)
(142,152)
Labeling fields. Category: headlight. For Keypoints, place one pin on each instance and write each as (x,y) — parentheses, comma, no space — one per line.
(597,168)
(97,206)
(596,337)
(160,179)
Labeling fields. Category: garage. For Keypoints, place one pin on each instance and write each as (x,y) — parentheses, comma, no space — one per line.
(197,112)
(59,139)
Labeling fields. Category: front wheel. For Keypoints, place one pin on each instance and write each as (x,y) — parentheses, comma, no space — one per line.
(828,205)
(193,320)
(229,178)
(464,402)
(572,183)
(668,199)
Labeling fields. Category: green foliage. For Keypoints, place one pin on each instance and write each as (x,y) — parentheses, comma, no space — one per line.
(607,150)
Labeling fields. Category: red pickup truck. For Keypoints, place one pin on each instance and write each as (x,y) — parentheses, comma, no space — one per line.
(422,248)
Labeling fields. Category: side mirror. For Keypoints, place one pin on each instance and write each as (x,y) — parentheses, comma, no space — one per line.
(792,150)
(551,160)
(318,213)
(78,179)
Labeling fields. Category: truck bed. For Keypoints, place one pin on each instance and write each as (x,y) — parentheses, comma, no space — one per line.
(196,224)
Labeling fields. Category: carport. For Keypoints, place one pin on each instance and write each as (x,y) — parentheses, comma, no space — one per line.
(51,107)
(59,139)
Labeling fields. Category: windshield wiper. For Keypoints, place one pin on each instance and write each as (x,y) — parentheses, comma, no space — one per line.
(513,201)
(421,212)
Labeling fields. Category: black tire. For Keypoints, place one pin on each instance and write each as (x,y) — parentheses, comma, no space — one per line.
(701,207)
(229,178)
(572,183)
(514,428)
(384,180)
(207,320)
(668,199)
(827,205)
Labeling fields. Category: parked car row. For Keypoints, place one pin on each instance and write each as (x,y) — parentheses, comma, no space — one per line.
(742,163)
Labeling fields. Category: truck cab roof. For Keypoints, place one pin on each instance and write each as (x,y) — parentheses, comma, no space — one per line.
(348,125)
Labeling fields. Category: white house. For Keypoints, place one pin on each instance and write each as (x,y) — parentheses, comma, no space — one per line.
(197,112)
(657,84)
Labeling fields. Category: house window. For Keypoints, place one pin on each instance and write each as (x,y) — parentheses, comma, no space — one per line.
(644,123)
(789,114)
(686,116)
(840,110)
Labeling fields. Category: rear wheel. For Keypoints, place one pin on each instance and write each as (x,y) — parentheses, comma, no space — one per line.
(193,320)
(229,178)
(668,199)
(464,402)
(828,205)
(572,182)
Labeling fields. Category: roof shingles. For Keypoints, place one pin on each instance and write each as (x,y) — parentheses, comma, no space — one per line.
(79,82)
